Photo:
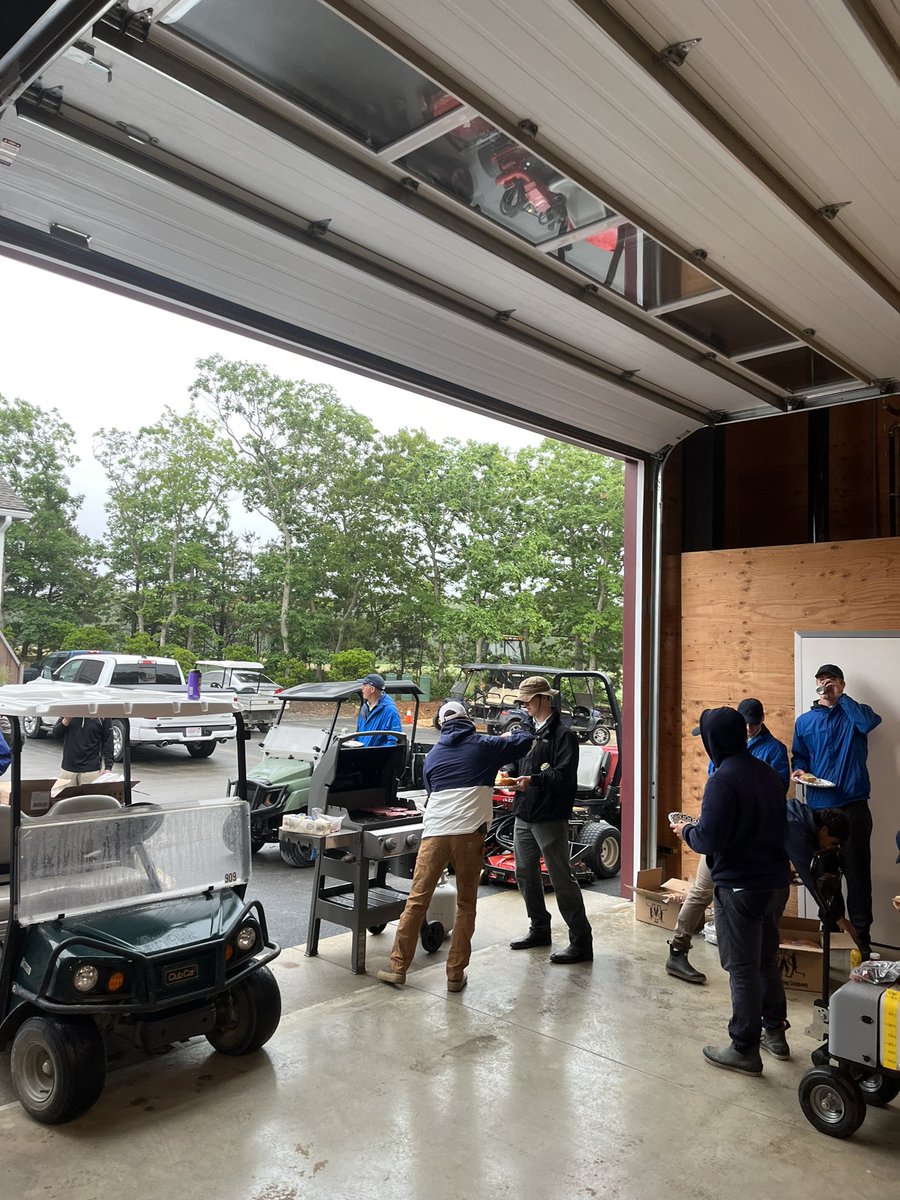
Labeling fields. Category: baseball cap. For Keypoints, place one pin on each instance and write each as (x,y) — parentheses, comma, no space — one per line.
(376,680)
(450,711)
(752,711)
(829,671)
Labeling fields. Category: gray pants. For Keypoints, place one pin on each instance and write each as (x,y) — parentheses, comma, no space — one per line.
(550,839)
(693,911)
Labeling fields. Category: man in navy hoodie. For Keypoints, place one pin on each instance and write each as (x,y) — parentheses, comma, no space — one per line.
(459,779)
(742,831)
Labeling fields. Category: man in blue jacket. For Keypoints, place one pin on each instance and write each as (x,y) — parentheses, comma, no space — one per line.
(831,743)
(459,779)
(742,830)
(377,711)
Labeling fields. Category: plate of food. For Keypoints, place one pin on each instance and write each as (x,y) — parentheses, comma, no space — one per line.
(677,818)
(503,780)
(810,780)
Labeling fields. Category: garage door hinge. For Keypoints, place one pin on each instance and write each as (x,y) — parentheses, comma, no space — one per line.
(132,24)
(8,151)
(44,97)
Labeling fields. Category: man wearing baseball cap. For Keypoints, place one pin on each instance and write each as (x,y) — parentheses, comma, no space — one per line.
(459,776)
(377,711)
(545,794)
(831,742)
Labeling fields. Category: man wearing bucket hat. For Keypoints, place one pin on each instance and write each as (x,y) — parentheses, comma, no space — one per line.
(545,793)
(377,711)
(458,775)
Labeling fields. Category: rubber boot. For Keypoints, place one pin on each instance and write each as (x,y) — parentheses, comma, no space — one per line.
(678,966)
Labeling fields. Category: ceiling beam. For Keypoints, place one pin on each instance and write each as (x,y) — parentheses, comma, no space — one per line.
(388,180)
(679,90)
(87,130)
(52,32)
(868,19)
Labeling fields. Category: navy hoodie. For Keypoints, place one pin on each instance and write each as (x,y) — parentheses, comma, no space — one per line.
(463,758)
(743,820)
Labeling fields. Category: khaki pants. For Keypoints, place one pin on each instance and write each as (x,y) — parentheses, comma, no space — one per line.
(465,853)
(71,779)
(693,911)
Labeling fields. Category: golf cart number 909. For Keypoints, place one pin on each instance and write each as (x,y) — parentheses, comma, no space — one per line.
(231,876)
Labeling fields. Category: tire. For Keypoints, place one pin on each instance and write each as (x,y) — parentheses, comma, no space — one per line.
(600,735)
(877,1089)
(832,1102)
(512,726)
(432,936)
(246,1015)
(376,929)
(33,728)
(58,1067)
(200,749)
(603,852)
(256,844)
(296,855)
(118,740)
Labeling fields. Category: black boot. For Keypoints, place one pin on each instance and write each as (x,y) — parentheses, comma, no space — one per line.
(537,935)
(575,952)
(677,964)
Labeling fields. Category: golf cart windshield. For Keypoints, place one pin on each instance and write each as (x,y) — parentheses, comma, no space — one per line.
(106,859)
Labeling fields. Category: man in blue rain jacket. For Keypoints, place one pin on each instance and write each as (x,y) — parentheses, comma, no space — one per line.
(377,711)
(831,743)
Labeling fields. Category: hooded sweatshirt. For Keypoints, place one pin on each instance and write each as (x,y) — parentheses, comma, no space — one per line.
(459,777)
(743,821)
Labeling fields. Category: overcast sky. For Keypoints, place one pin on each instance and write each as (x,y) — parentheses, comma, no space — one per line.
(107,362)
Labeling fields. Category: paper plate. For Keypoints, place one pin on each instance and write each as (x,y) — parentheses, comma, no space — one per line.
(816,783)
(678,818)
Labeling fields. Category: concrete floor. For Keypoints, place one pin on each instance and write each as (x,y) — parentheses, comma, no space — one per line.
(536,1081)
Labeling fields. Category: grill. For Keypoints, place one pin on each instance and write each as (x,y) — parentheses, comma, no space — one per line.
(379,829)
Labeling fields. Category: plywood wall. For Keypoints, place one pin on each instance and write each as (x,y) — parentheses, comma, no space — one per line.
(739,612)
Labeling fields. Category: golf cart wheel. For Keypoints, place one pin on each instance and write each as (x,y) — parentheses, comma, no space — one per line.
(295,855)
(600,735)
(58,1067)
(603,848)
(432,936)
(377,928)
(832,1101)
(200,749)
(877,1089)
(512,727)
(33,727)
(246,1015)
(118,741)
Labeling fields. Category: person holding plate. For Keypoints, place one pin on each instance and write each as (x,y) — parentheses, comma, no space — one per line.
(831,741)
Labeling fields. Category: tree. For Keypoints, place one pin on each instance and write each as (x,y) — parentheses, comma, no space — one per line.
(50,581)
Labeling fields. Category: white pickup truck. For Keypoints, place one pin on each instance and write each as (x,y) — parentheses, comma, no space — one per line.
(143,672)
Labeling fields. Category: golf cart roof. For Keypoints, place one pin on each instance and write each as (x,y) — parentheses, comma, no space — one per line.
(531,669)
(343,690)
(226,664)
(70,700)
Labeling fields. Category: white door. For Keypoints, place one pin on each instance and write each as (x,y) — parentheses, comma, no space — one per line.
(871,666)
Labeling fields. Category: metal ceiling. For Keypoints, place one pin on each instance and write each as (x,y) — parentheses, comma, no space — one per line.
(530,208)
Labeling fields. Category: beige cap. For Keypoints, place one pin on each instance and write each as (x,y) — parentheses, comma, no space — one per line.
(535,685)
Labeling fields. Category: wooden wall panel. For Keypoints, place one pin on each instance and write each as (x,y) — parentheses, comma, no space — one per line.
(740,610)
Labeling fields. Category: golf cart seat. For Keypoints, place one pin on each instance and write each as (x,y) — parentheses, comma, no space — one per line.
(593,766)
(82,804)
(502,697)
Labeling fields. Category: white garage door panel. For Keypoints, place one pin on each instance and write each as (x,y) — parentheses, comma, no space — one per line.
(253,267)
(806,88)
(601,111)
(260,162)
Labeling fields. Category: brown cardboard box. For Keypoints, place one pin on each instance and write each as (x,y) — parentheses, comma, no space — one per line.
(36,793)
(659,903)
(800,954)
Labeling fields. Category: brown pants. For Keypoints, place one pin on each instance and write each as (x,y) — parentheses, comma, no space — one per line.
(465,853)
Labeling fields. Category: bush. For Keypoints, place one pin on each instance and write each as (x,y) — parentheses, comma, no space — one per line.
(287,671)
(88,637)
(240,651)
(140,643)
(351,664)
(186,659)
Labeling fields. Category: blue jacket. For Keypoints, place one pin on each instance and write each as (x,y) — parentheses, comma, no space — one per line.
(832,743)
(464,758)
(383,716)
(743,823)
(767,748)
(5,755)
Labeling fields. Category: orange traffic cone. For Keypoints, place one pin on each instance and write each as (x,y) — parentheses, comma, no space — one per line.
(408,718)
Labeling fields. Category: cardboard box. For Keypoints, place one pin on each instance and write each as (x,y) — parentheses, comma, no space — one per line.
(36,793)
(658,903)
(800,954)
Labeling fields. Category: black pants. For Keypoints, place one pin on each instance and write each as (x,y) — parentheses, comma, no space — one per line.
(747,933)
(857,858)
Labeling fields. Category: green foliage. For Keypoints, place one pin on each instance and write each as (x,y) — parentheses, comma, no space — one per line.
(239,651)
(351,664)
(89,637)
(287,671)
(140,643)
(185,658)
